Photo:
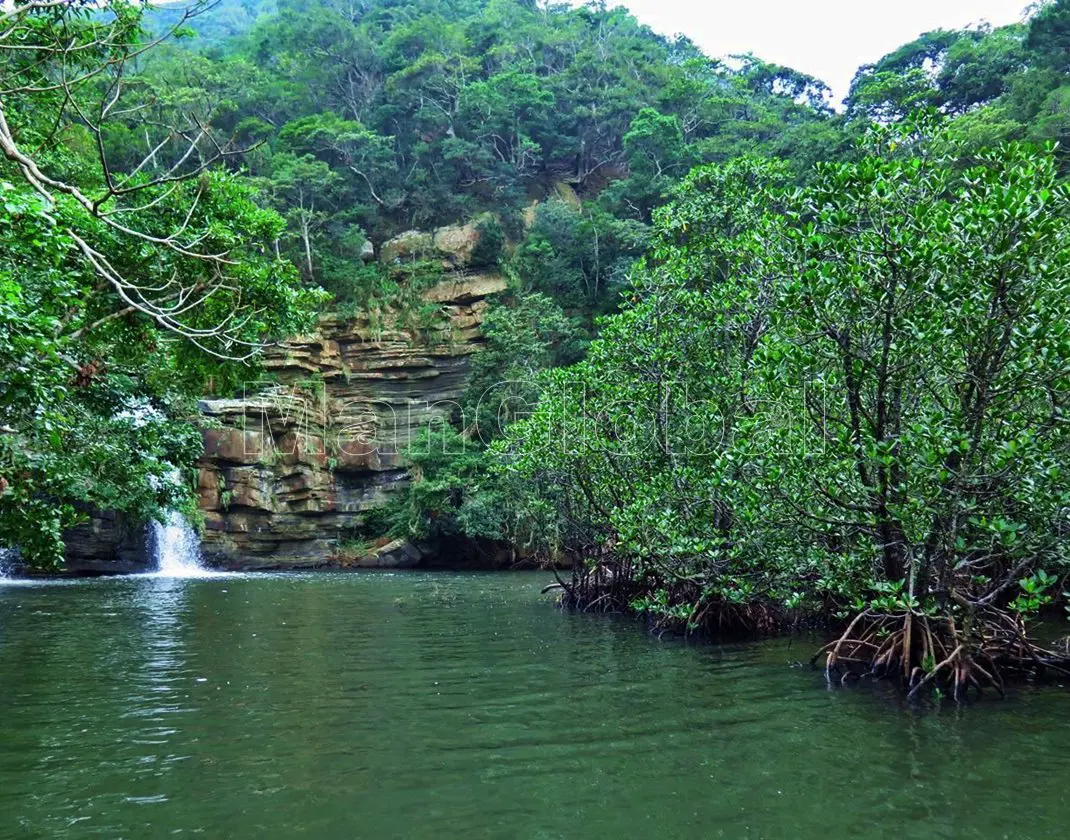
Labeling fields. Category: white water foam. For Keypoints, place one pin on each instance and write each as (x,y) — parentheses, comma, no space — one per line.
(177,549)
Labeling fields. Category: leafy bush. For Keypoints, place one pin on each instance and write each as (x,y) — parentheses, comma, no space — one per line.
(491,241)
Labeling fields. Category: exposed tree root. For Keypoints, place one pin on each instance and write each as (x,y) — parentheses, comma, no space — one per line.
(924,651)
(606,588)
(610,588)
(957,653)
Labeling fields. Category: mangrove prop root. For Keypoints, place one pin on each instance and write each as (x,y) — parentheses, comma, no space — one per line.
(925,652)
(610,586)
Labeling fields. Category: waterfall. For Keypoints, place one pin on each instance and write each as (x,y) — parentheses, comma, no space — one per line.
(7,557)
(176,549)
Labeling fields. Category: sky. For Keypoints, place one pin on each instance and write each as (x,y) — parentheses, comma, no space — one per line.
(828,39)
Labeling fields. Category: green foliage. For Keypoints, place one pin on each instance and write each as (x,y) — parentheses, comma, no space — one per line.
(491,241)
(524,337)
(454,492)
(951,70)
(578,256)
(1034,593)
(1001,84)
(383,117)
(124,292)
(89,421)
(657,157)
(855,387)
(451,494)
(227,19)
(1049,36)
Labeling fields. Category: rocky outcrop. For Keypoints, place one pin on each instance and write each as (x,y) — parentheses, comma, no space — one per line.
(399,554)
(458,244)
(107,544)
(406,247)
(456,247)
(292,469)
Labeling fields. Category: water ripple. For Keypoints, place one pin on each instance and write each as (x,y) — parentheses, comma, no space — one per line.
(428,706)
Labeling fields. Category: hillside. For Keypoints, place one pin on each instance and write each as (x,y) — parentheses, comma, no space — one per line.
(373,118)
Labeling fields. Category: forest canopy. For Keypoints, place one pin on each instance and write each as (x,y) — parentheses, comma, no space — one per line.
(379,117)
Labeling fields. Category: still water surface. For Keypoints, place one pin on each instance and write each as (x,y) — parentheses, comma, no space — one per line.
(440,706)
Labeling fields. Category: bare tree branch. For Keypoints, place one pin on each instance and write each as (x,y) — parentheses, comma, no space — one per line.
(85,61)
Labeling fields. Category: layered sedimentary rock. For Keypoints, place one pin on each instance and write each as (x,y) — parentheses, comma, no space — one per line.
(292,469)
(293,466)
(108,544)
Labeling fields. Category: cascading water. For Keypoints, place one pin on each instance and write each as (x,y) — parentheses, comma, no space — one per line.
(7,556)
(176,549)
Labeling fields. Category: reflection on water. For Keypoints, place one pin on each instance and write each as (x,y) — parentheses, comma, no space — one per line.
(431,706)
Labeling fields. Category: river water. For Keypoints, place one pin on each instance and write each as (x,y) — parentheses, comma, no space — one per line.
(447,705)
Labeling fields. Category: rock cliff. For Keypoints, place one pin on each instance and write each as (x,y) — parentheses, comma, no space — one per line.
(108,544)
(293,466)
(290,470)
